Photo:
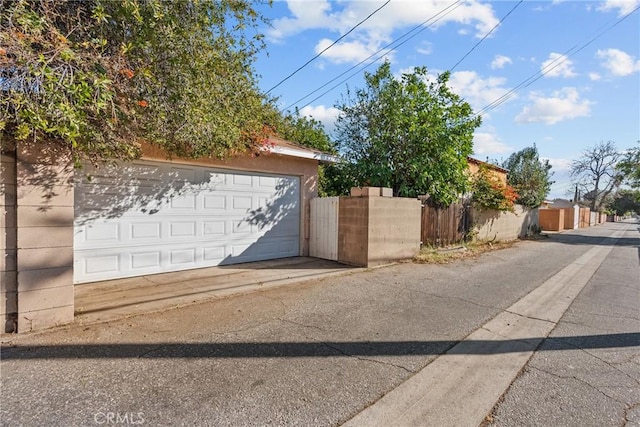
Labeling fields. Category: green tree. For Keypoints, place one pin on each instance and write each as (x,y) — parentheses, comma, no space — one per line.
(305,131)
(407,133)
(626,201)
(596,173)
(99,75)
(629,166)
(529,176)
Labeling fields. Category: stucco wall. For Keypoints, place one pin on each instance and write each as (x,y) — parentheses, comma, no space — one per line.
(504,226)
(474,167)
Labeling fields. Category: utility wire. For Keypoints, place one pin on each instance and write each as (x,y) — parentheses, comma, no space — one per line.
(390,46)
(486,35)
(330,46)
(550,67)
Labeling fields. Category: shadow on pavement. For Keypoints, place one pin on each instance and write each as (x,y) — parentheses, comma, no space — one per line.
(575,237)
(313,349)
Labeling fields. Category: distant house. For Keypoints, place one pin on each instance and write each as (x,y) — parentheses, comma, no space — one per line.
(497,171)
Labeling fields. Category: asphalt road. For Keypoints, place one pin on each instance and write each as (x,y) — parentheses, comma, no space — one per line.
(321,352)
(587,373)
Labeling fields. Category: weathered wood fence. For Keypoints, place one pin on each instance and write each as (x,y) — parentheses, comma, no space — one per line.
(443,226)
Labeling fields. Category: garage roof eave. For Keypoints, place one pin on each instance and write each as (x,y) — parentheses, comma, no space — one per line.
(283,147)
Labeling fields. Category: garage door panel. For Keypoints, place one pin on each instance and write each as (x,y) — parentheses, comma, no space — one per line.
(173,217)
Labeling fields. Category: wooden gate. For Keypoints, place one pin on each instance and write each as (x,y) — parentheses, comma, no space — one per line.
(444,226)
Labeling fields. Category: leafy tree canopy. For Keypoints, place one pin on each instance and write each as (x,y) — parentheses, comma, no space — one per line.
(99,75)
(407,133)
(303,130)
(629,166)
(529,176)
(626,201)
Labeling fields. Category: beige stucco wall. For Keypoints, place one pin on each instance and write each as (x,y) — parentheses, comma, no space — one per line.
(305,169)
(504,226)
(475,167)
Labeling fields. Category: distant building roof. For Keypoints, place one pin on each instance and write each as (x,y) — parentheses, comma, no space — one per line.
(487,164)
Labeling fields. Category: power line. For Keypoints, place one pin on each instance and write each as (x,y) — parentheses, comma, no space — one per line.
(486,35)
(550,67)
(330,46)
(419,28)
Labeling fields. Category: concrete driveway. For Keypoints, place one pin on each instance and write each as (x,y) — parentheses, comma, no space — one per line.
(113,299)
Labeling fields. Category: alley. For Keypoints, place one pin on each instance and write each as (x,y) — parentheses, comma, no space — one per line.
(321,352)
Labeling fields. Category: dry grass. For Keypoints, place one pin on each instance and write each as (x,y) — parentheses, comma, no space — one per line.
(431,255)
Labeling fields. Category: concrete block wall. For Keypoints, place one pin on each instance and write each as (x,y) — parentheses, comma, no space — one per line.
(375,229)
(504,226)
(394,229)
(353,230)
(8,240)
(44,231)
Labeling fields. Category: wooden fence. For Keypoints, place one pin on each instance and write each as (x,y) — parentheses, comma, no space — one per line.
(443,226)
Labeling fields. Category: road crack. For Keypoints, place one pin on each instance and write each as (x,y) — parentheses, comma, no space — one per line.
(573,377)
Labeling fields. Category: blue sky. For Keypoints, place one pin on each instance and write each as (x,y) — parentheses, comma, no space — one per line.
(590,92)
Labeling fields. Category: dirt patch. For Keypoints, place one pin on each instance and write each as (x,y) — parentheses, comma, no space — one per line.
(431,255)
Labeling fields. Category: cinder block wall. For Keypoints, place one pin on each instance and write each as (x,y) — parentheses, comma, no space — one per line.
(374,230)
(551,219)
(394,229)
(8,272)
(44,203)
(353,230)
(504,226)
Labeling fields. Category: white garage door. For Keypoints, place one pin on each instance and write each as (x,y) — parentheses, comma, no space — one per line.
(154,217)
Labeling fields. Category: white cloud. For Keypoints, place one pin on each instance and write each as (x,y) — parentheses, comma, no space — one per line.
(425,48)
(594,76)
(564,104)
(489,143)
(323,114)
(499,61)
(559,165)
(619,63)
(339,17)
(622,6)
(354,51)
(558,66)
(475,90)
